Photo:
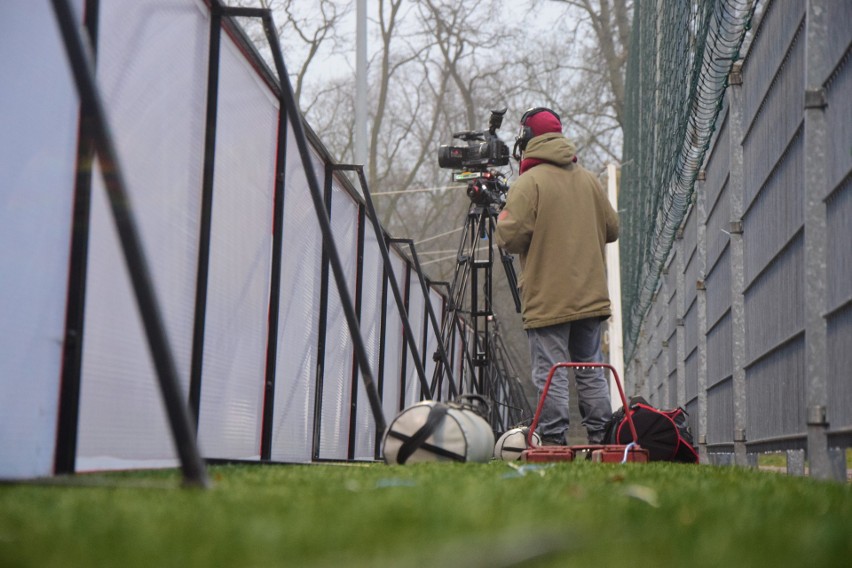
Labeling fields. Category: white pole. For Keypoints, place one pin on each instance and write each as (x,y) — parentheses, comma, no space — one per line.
(361,83)
(613,271)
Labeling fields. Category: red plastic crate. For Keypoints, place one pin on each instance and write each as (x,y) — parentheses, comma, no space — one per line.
(546,454)
(610,453)
(603,453)
(620,454)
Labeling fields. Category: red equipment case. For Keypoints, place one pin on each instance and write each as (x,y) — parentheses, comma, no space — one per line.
(608,453)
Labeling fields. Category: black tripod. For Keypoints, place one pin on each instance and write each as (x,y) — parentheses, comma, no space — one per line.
(470,321)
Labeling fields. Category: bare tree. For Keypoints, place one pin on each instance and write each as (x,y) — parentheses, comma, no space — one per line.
(610,22)
(449,96)
(308,31)
(437,67)
(584,76)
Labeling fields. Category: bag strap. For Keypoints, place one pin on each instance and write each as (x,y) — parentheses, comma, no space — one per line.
(415,441)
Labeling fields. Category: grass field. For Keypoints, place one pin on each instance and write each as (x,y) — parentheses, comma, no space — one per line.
(443,515)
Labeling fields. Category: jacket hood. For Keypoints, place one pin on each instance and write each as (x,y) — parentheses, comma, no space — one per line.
(551,147)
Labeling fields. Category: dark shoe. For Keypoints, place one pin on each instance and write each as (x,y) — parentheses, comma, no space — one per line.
(552,440)
(596,438)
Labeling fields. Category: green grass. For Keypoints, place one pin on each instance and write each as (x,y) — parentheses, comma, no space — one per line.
(443,515)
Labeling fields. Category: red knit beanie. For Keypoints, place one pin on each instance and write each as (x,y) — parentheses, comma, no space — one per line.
(543,122)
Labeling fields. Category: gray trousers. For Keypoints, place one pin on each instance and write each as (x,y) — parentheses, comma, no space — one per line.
(579,342)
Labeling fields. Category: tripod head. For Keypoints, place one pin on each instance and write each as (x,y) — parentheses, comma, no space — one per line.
(485,188)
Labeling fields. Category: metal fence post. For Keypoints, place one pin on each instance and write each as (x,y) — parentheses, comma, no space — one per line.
(795,462)
(701,305)
(816,351)
(736,198)
(681,313)
(663,375)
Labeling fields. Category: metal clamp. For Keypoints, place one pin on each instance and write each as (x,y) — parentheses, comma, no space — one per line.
(815,98)
(817,415)
(735,77)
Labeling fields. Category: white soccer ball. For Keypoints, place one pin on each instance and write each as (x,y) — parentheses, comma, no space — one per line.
(510,445)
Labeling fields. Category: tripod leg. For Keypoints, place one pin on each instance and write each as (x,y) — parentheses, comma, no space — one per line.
(457,292)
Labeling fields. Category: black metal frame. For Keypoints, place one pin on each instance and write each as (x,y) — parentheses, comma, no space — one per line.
(330,247)
(274,291)
(330,258)
(382,347)
(177,409)
(95,137)
(359,289)
(432,318)
(381,237)
(205,224)
(403,363)
(184,416)
(319,377)
(65,453)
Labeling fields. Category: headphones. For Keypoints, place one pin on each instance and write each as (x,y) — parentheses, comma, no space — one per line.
(525,134)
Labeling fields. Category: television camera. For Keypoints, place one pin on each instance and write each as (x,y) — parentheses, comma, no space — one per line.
(484,149)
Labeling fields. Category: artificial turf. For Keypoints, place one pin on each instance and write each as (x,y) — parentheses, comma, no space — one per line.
(439,514)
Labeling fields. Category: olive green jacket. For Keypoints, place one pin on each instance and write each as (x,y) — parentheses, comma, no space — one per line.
(558,220)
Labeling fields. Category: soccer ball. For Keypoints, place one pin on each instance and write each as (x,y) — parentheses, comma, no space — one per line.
(510,445)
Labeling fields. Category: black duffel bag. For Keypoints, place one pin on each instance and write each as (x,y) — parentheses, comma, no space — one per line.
(664,433)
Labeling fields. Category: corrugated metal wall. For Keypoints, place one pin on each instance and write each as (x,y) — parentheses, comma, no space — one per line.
(767,308)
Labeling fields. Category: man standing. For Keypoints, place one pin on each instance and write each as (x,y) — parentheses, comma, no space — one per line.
(558,220)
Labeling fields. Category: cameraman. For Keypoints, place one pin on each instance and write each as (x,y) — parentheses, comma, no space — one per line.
(558,220)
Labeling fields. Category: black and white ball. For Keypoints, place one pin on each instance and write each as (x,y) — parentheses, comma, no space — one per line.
(510,445)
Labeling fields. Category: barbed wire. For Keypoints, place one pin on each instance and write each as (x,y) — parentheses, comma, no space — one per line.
(680,58)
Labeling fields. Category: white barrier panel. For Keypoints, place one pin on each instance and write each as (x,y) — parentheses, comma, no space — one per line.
(430,350)
(235,341)
(394,337)
(337,371)
(38,132)
(371,329)
(298,332)
(159,135)
(152,74)
(416,317)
